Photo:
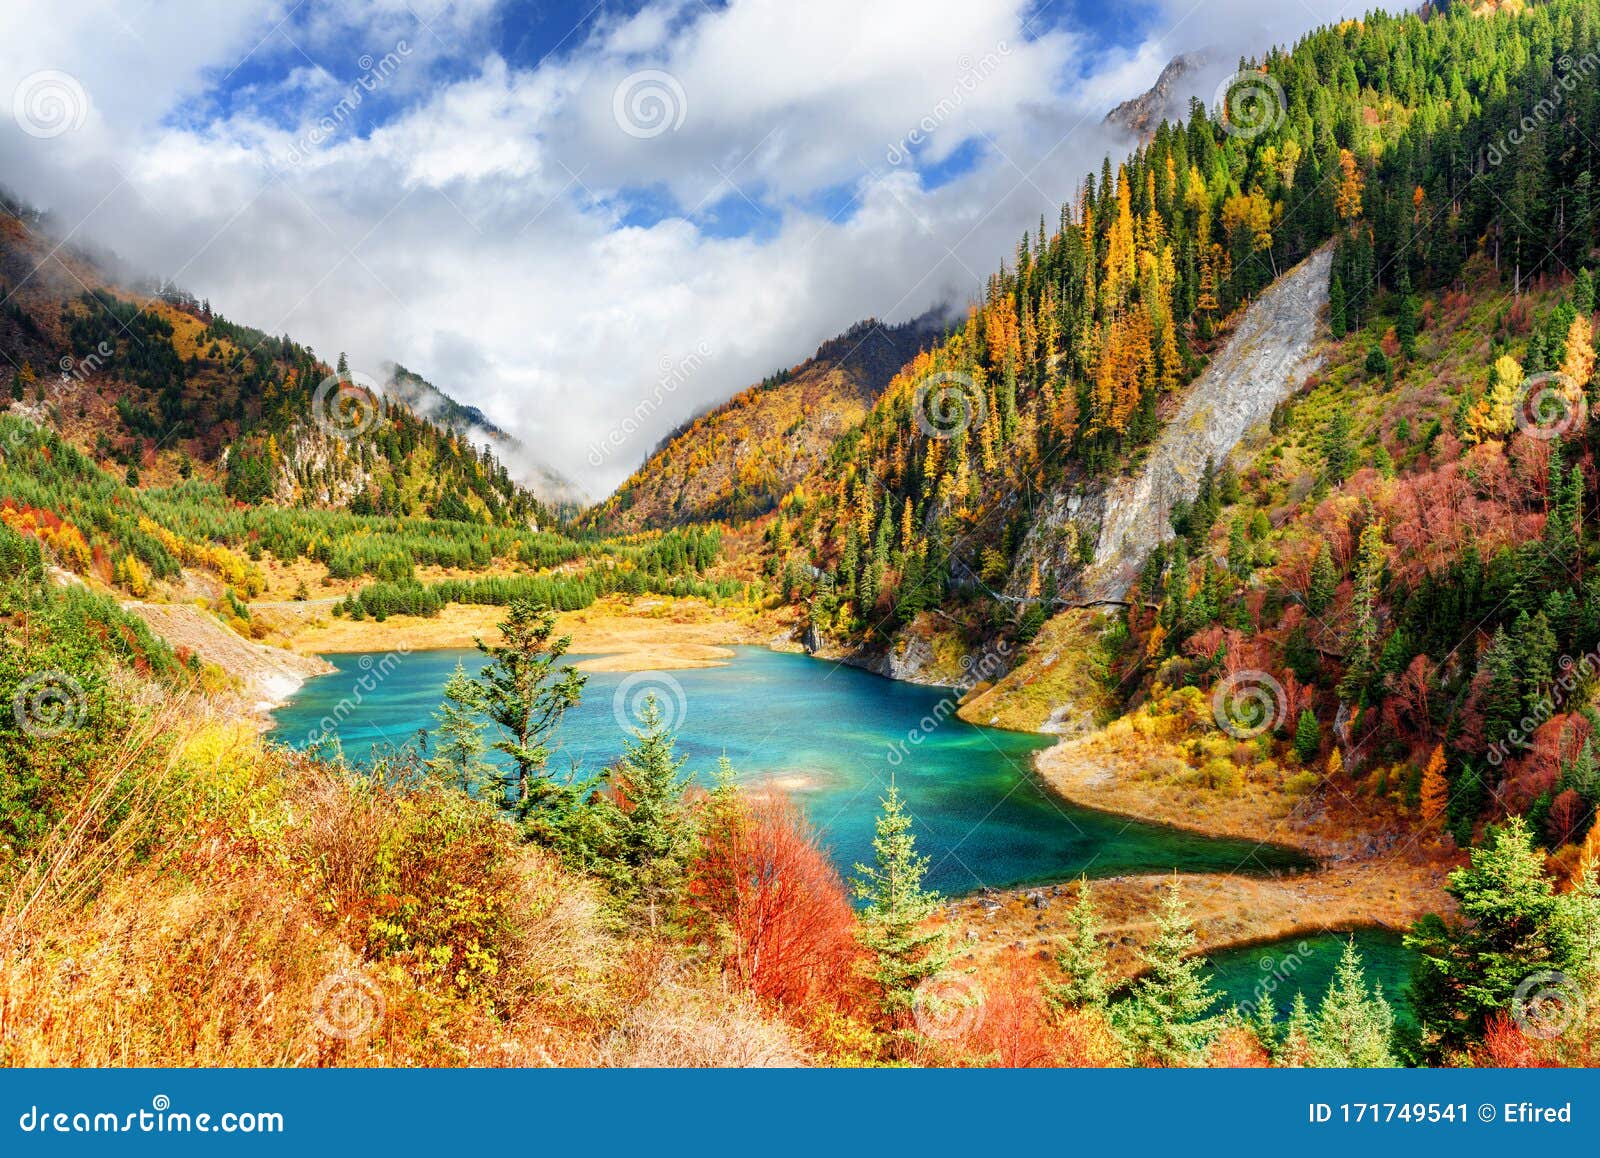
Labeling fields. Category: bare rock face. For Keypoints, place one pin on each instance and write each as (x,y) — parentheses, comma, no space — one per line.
(1164,100)
(1264,361)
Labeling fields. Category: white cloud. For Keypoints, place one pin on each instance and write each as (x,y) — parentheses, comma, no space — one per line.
(477,234)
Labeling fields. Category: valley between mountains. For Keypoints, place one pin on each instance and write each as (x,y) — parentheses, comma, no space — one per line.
(1226,561)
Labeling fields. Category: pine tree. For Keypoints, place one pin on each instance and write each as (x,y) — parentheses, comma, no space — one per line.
(1337,324)
(1296,1048)
(1324,582)
(1168,1018)
(1338,453)
(1354,1028)
(904,953)
(653,831)
(1082,957)
(1583,292)
(526,694)
(1363,629)
(458,758)
(1307,736)
(1240,557)
(1512,924)
(1405,326)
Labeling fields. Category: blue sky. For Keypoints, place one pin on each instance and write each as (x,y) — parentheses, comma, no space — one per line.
(550,210)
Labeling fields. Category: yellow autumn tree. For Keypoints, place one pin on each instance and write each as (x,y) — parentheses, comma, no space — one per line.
(1347,190)
(1435,789)
(1578,363)
(1494,414)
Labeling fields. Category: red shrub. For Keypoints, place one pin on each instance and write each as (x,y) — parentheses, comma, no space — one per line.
(1010,1025)
(761,879)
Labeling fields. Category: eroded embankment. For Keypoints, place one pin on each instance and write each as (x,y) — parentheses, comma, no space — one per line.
(1263,362)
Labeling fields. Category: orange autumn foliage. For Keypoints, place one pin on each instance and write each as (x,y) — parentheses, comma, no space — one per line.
(761,886)
(1435,789)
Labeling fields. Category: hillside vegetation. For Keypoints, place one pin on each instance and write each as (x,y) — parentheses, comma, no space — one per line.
(737,460)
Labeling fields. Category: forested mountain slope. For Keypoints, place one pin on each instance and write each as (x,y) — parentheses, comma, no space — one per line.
(1265,360)
(1399,587)
(738,459)
(153,383)
(547,484)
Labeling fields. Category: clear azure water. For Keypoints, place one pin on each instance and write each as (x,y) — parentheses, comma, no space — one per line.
(831,736)
(1275,972)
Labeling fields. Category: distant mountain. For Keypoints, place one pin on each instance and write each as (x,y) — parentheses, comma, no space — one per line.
(737,460)
(1167,99)
(432,403)
(153,384)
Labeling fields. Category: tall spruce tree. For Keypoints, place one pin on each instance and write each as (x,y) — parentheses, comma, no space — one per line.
(1512,925)
(653,829)
(1081,956)
(458,752)
(904,952)
(526,693)
(1168,1019)
(1354,1028)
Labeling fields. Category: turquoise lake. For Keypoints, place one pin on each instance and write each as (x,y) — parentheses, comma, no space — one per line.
(829,735)
(1274,972)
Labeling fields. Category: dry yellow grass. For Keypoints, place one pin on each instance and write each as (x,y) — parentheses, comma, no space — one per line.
(644,634)
(213,902)
(1059,686)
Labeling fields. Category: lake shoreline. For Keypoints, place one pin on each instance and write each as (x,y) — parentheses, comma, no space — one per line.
(1350,885)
